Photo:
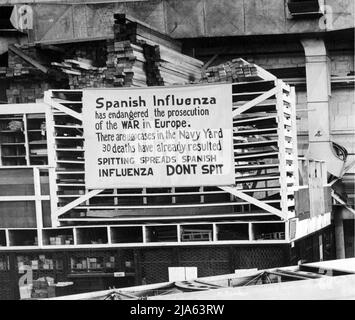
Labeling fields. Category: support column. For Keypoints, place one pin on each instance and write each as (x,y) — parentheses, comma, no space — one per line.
(318,93)
(318,90)
(38,205)
(339,234)
(320,242)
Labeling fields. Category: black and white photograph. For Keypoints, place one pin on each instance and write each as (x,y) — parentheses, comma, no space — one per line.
(177,154)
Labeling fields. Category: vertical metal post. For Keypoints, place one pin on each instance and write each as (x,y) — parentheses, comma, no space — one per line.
(145,199)
(25,132)
(109,239)
(281,145)
(75,236)
(294,134)
(178,233)
(339,234)
(320,240)
(51,163)
(214,232)
(38,205)
(144,233)
(250,231)
(7,237)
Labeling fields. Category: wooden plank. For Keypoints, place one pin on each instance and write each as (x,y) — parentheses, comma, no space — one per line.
(261,189)
(64,102)
(258,132)
(62,108)
(145,194)
(27,143)
(21,108)
(253,155)
(194,205)
(293,133)
(256,166)
(28,59)
(266,75)
(255,144)
(166,53)
(253,201)
(38,205)
(179,65)
(254,102)
(77,202)
(23,198)
(282,148)
(148,33)
(174,218)
(68,138)
(209,62)
(256,178)
(51,162)
(253,120)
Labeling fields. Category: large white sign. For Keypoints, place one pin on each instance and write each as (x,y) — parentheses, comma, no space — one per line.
(158,136)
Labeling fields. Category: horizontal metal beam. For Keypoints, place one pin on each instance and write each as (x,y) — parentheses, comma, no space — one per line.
(23,198)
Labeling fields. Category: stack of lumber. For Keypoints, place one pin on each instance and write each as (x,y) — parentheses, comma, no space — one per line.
(14,72)
(144,56)
(27,75)
(19,64)
(25,92)
(125,55)
(137,56)
(3,71)
(125,64)
(168,67)
(74,66)
(139,33)
(81,73)
(236,70)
